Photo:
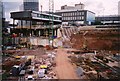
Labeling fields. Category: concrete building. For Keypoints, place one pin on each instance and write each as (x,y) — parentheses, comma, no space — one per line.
(76,15)
(35,29)
(119,8)
(28,5)
(77,7)
(110,19)
(31,5)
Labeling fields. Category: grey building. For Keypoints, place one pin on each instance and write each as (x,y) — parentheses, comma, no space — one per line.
(31,5)
(28,5)
(76,15)
(110,19)
(42,26)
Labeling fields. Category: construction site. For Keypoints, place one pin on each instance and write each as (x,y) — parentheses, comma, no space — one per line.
(42,48)
(76,53)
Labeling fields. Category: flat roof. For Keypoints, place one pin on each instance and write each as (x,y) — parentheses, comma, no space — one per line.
(65,10)
(28,15)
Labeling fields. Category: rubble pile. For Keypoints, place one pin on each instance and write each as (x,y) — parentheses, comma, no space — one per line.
(43,66)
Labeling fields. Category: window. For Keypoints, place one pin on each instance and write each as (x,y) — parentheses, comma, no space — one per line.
(64,18)
(79,13)
(75,18)
(34,15)
(82,13)
(75,13)
(68,18)
(62,14)
(71,14)
(66,14)
(82,17)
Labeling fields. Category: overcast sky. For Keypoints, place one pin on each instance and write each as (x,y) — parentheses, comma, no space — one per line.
(100,7)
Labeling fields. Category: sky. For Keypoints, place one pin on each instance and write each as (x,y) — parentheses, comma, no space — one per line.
(99,7)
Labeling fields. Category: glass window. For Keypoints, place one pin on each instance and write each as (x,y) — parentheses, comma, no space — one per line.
(82,17)
(79,13)
(75,18)
(62,14)
(82,13)
(68,18)
(75,14)
(71,14)
(66,14)
(64,18)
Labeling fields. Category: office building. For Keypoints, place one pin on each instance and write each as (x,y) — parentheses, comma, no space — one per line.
(109,19)
(76,15)
(37,29)
(28,5)
(77,7)
(31,5)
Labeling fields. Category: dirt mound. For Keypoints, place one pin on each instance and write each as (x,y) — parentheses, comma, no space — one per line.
(96,40)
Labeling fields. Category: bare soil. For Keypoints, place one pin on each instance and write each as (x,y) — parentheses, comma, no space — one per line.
(97,40)
(64,68)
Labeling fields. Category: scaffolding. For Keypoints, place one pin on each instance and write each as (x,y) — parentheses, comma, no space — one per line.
(51,23)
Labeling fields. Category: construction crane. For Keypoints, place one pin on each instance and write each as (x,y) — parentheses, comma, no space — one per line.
(51,23)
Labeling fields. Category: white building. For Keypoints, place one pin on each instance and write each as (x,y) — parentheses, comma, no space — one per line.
(76,15)
(79,6)
(119,8)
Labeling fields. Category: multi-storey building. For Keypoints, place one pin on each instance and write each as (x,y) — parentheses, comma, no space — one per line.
(28,5)
(110,19)
(31,5)
(76,15)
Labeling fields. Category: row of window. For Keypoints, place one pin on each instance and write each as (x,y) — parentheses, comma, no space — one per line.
(45,16)
(73,18)
(73,13)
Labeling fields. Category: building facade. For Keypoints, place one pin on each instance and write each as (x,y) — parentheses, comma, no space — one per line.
(112,19)
(119,8)
(28,5)
(76,15)
(82,17)
(79,6)
(31,5)
(40,28)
